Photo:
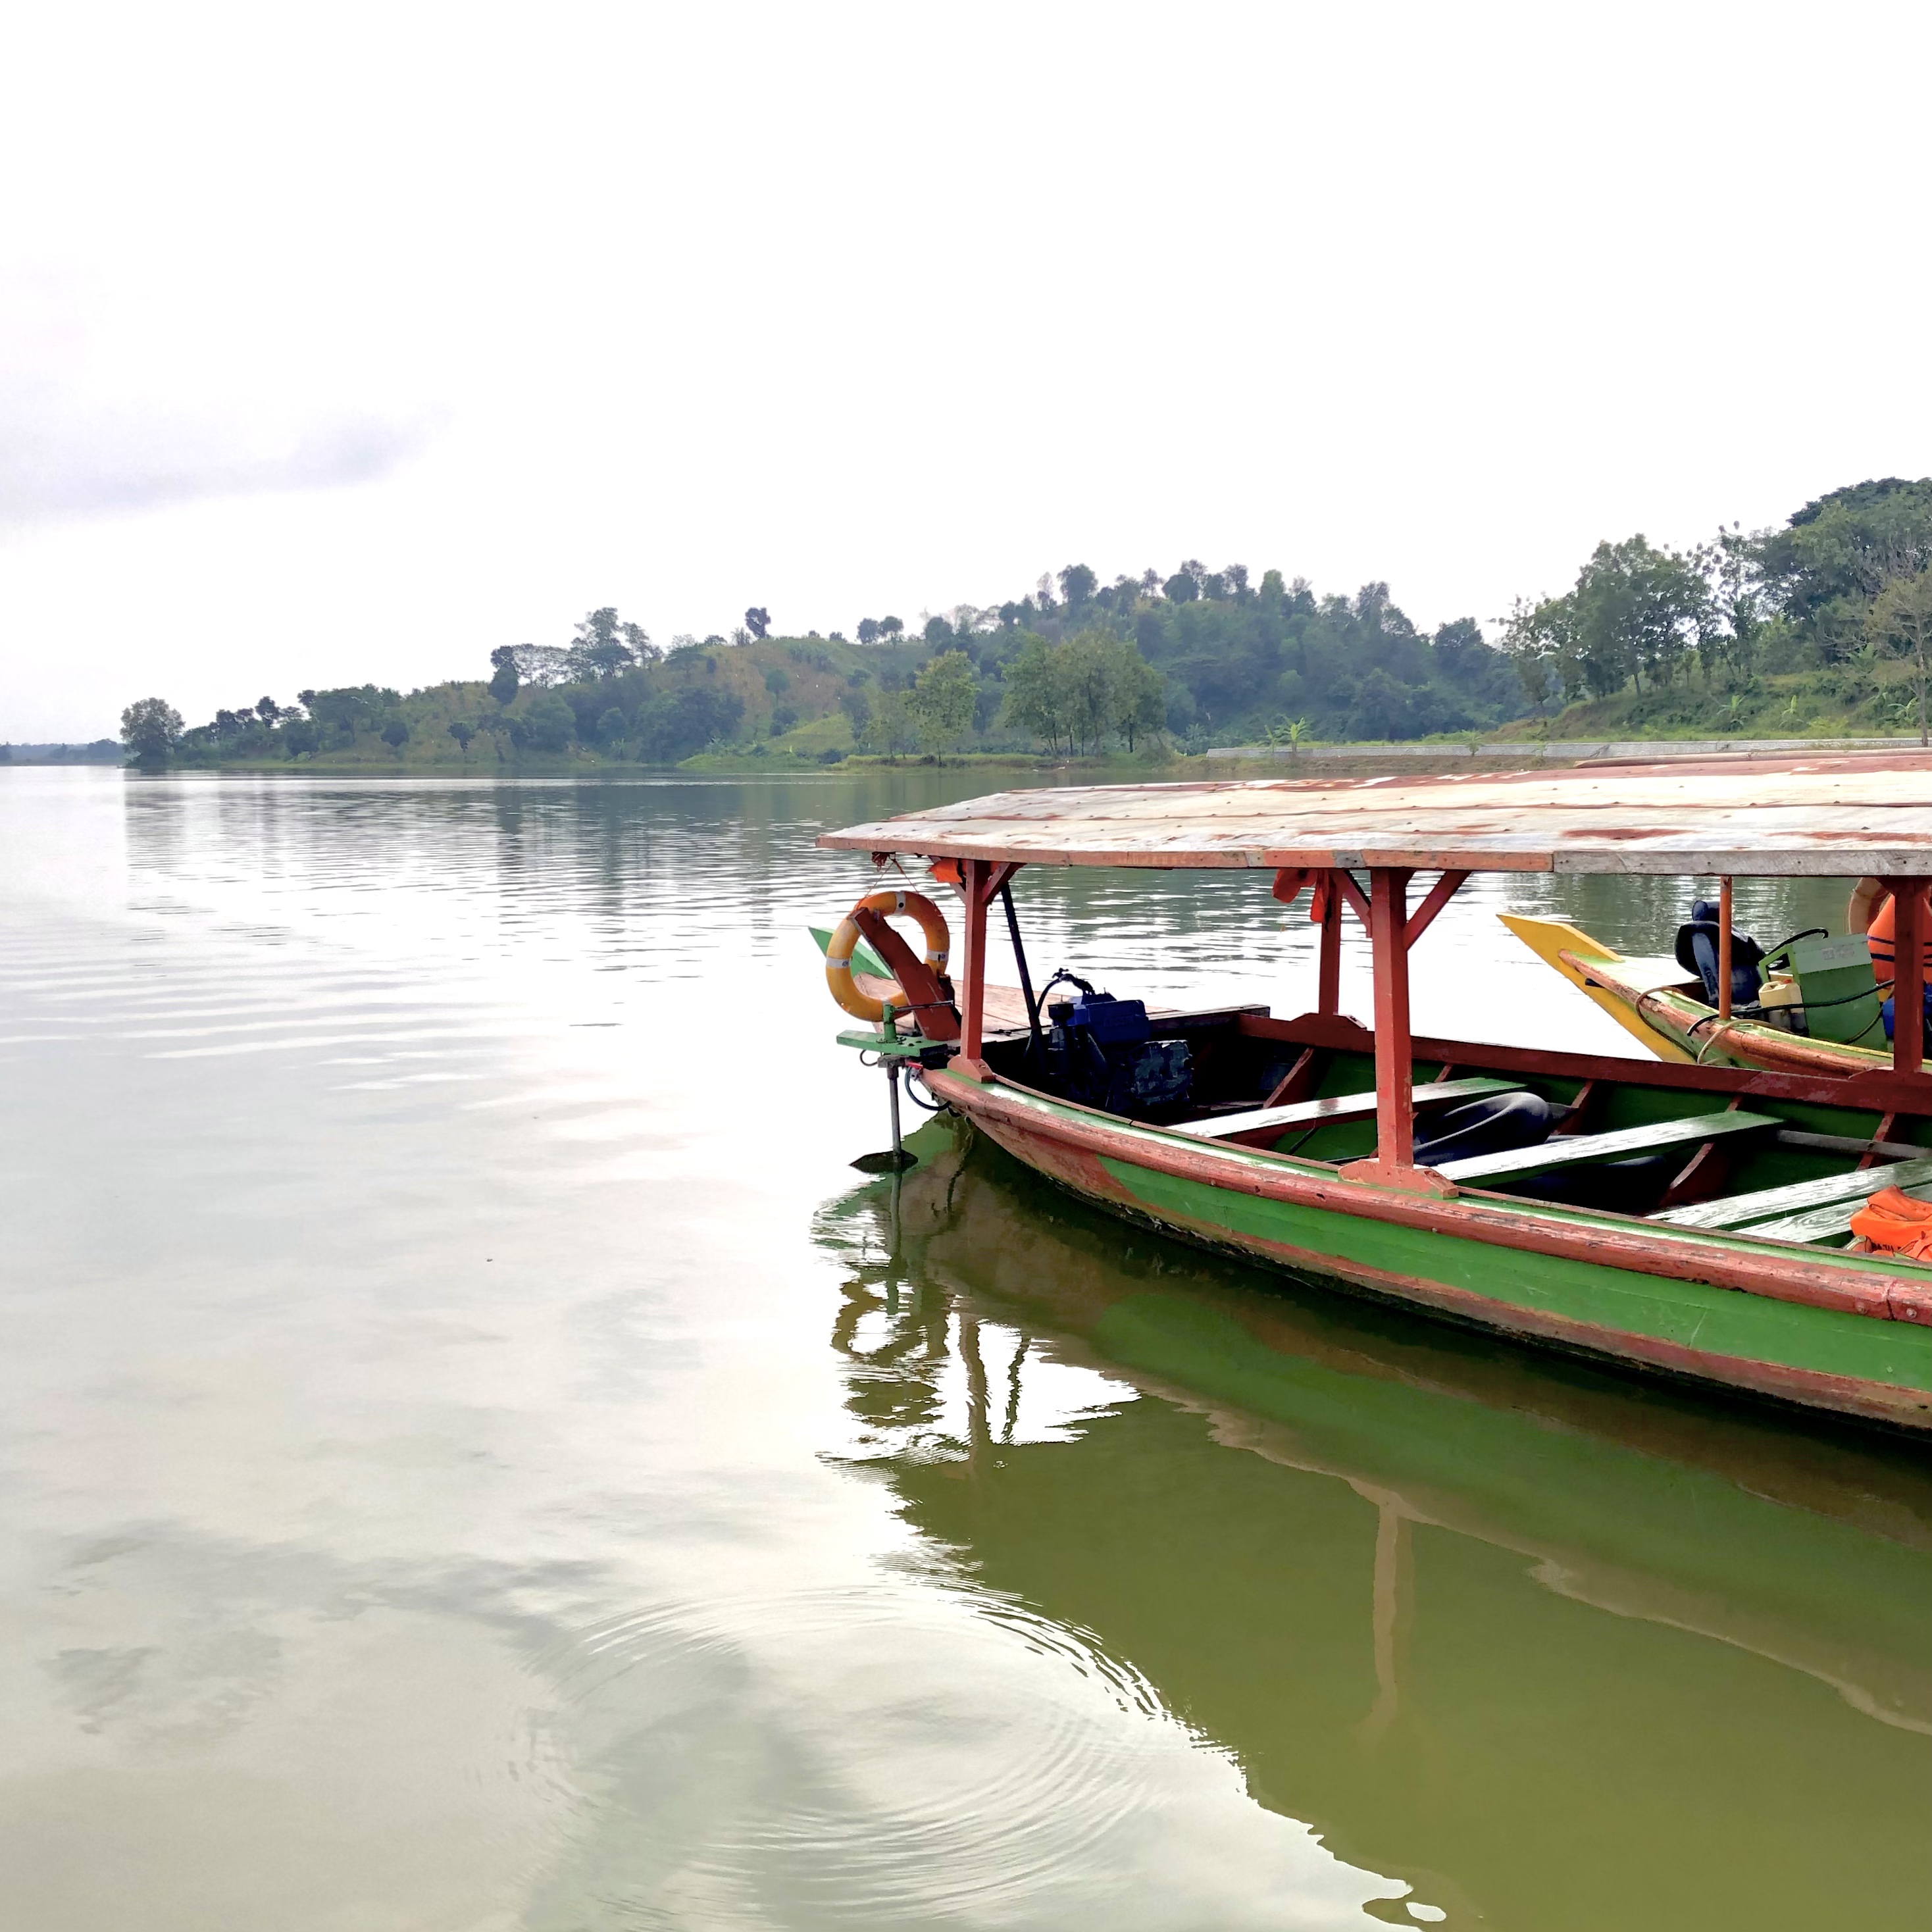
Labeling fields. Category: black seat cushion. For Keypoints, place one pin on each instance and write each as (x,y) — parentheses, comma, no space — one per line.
(1499,1124)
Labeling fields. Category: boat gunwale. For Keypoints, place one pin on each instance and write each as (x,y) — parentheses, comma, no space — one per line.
(1735,1260)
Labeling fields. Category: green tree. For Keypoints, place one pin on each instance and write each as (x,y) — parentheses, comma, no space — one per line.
(1036,698)
(150,728)
(1634,610)
(551,724)
(1087,666)
(1901,625)
(1835,556)
(1077,586)
(942,701)
(1139,696)
(396,733)
(503,680)
(600,649)
(891,729)
(462,731)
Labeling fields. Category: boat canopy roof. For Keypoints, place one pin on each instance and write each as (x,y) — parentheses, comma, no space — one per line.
(1831,814)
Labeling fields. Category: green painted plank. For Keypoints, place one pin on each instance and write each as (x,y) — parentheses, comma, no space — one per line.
(1721,1321)
(864,959)
(1773,1203)
(1340,1107)
(1580,1149)
(901,1046)
(1821,1224)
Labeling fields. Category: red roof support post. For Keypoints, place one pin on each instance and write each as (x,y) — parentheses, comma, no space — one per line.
(1393,1164)
(1908,976)
(976,887)
(1395,1073)
(1328,909)
(1724,947)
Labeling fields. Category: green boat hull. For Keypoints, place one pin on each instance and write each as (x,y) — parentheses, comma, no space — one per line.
(1747,1315)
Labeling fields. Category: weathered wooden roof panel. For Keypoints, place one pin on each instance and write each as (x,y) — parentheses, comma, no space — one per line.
(1828,815)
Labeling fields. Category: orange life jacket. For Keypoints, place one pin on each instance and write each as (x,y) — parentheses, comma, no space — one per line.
(1898,1223)
(1879,938)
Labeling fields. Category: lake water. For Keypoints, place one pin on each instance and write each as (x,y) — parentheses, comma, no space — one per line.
(474,1456)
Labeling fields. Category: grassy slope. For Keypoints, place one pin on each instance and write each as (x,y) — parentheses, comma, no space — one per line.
(1847,700)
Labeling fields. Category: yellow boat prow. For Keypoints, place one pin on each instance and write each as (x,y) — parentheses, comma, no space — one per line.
(1550,938)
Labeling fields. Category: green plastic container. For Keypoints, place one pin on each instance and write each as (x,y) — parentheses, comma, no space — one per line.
(1838,970)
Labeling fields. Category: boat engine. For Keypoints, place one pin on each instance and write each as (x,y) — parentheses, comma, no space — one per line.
(1697,952)
(1101,1052)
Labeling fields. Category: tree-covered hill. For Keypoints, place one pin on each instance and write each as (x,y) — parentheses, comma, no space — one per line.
(1201,658)
(1823,623)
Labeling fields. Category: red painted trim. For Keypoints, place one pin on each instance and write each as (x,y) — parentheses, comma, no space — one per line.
(1876,1091)
(1326,909)
(1724,947)
(930,1010)
(1295,1083)
(1908,975)
(1344,884)
(1445,889)
(972,960)
(1395,1110)
(1607,1241)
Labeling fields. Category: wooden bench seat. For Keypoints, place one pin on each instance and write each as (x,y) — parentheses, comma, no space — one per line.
(1821,1224)
(1568,1150)
(1800,1198)
(1338,1107)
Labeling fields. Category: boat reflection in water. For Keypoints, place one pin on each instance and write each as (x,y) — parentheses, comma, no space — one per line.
(1562,1649)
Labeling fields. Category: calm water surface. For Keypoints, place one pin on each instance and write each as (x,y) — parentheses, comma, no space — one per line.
(474,1455)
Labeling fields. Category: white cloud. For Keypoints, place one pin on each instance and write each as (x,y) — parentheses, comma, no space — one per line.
(689,309)
(109,402)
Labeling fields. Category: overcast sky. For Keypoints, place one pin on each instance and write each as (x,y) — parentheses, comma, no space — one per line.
(344,343)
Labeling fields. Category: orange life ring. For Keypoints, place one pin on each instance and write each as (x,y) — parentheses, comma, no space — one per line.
(839,954)
(1862,907)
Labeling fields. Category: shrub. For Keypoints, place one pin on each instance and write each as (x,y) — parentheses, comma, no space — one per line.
(551,723)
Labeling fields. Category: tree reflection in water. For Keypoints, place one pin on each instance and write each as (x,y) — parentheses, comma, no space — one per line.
(1561,1648)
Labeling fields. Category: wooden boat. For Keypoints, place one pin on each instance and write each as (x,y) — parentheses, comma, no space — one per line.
(1411,1415)
(1284,1533)
(1656,1002)
(1690,1220)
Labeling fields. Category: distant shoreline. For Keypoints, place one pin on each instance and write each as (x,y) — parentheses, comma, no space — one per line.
(1221,763)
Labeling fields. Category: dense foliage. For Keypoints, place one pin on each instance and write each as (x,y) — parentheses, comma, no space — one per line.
(1202,656)
(1824,621)
(1816,608)
(1211,658)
